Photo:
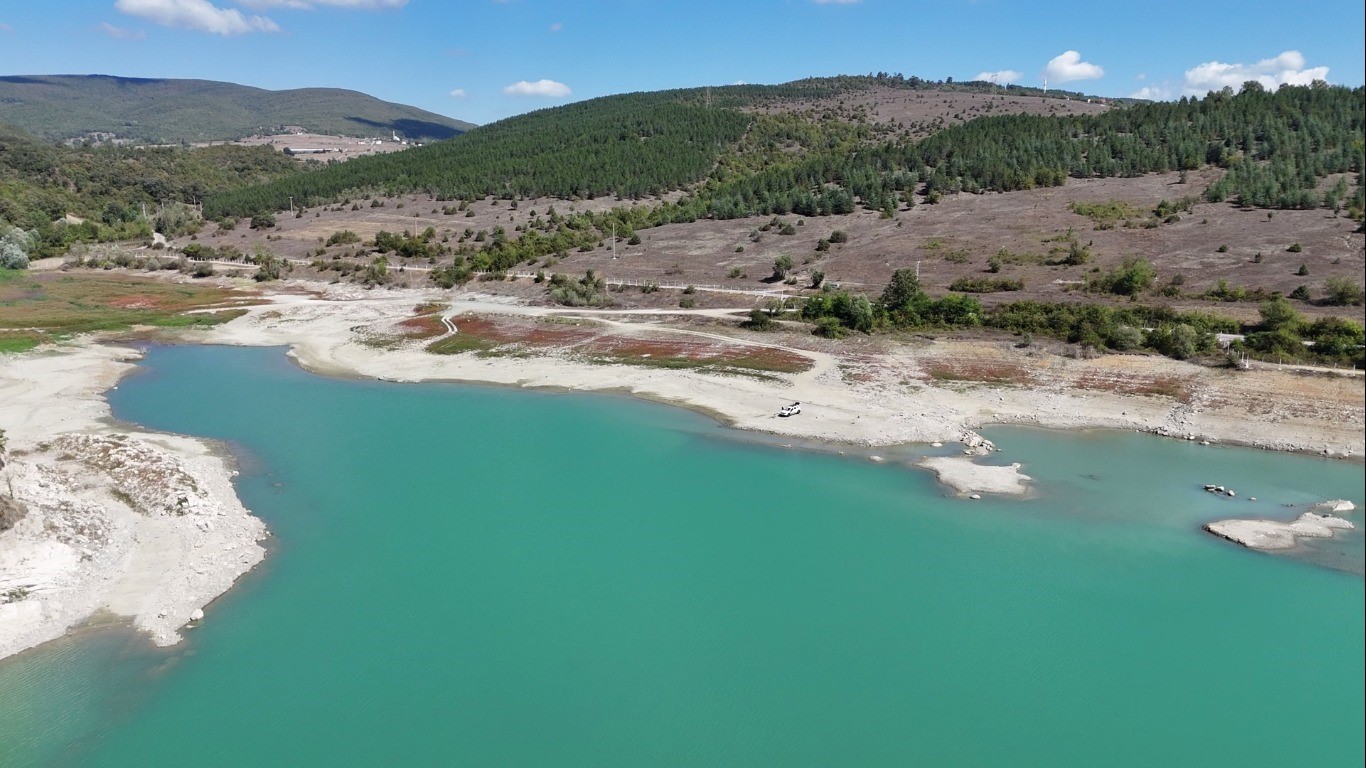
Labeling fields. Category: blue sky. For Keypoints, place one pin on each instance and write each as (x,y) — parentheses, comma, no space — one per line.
(481,60)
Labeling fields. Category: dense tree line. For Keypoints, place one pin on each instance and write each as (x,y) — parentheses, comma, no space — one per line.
(634,146)
(1282,333)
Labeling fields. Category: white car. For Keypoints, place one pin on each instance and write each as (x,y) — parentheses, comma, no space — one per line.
(790,410)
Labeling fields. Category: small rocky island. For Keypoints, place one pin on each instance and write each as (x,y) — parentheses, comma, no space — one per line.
(1319,522)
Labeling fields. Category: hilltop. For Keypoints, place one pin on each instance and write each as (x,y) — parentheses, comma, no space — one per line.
(170,111)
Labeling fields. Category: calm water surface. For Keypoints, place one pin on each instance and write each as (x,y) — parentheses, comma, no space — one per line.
(474,576)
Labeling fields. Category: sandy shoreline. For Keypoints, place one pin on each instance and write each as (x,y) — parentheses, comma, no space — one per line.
(160,542)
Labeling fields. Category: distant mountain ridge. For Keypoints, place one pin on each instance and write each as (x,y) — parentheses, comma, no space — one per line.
(58,107)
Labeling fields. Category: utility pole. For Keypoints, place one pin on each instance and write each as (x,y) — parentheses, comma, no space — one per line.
(614,241)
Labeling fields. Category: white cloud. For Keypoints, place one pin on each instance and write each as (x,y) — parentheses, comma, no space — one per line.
(1004,76)
(1285,69)
(458,93)
(196,14)
(1152,93)
(119,33)
(1068,66)
(538,88)
(363,5)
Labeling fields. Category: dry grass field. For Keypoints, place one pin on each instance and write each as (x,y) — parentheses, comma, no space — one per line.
(956,238)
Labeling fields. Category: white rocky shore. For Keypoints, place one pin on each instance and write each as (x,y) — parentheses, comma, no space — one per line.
(1318,523)
(136,524)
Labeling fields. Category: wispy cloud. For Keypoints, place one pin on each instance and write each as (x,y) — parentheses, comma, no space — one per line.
(556,27)
(1003,76)
(119,33)
(305,5)
(458,93)
(1068,66)
(1286,69)
(200,15)
(538,88)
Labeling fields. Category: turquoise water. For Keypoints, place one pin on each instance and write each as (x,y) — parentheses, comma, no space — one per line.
(476,576)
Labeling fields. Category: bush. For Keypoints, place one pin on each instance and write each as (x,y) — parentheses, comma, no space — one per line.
(1295,248)
(343,237)
(1343,292)
(1303,270)
(759,320)
(1179,341)
(263,221)
(15,245)
(1129,279)
(1278,314)
(830,328)
(985,285)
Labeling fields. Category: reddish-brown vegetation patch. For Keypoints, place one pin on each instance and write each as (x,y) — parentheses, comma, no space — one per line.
(1175,387)
(598,344)
(984,371)
(422,327)
(694,354)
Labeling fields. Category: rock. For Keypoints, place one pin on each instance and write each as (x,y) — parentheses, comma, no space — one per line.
(1230,492)
(1276,534)
(876,459)
(975,496)
(197,614)
(1335,505)
(11,512)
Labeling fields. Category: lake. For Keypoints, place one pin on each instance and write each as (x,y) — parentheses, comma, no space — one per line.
(464,575)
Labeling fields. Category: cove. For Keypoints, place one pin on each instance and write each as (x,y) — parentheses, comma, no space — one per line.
(464,575)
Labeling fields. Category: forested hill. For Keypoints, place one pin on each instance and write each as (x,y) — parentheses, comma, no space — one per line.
(165,111)
(110,186)
(736,162)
